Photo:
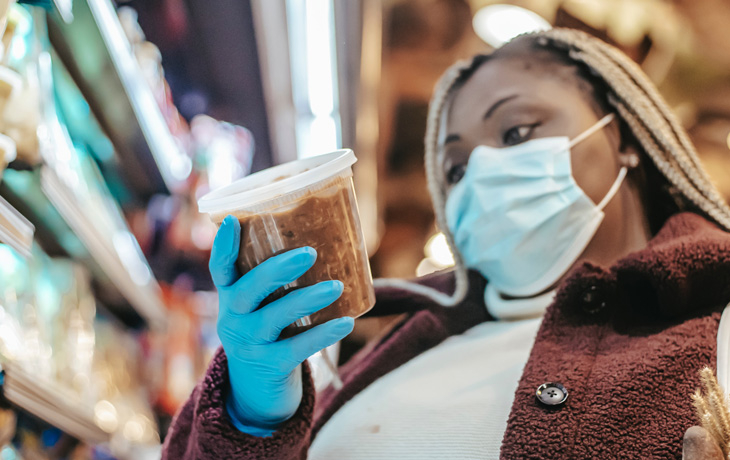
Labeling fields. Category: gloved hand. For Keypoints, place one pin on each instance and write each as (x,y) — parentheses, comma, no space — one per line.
(265,373)
(700,445)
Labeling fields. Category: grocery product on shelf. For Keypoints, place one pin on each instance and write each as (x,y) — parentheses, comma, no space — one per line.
(15,229)
(63,363)
(8,421)
(84,352)
(223,151)
(8,152)
(181,368)
(150,64)
(10,84)
(123,401)
(64,359)
(16,297)
(85,220)
(9,30)
(20,85)
(47,345)
(102,62)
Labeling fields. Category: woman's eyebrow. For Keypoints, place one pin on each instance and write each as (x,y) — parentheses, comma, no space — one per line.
(452,138)
(496,105)
(489,113)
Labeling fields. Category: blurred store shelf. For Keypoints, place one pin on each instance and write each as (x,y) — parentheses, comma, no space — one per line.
(122,279)
(15,229)
(64,8)
(73,210)
(98,56)
(52,403)
(73,273)
(118,255)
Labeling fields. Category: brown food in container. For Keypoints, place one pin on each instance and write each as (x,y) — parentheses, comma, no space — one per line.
(324,216)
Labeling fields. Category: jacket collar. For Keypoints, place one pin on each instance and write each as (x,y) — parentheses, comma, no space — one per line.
(683,269)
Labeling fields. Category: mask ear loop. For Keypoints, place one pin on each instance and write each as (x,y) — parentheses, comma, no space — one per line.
(600,124)
(614,188)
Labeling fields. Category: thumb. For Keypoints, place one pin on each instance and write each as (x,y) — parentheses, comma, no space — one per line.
(224,253)
(700,445)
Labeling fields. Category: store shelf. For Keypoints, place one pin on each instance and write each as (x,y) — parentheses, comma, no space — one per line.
(70,204)
(118,255)
(122,279)
(52,403)
(98,56)
(15,230)
(64,9)
(61,7)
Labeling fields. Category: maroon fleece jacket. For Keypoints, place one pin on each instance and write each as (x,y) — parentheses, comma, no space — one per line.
(627,342)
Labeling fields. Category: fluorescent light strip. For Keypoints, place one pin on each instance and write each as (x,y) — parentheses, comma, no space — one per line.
(174,165)
(314,82)
(319,57)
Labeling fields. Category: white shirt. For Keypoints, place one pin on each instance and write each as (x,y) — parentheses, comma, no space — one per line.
(452,401)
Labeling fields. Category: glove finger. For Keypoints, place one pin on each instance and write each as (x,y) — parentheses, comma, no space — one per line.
(270,275)
(223,256)
(300,347)
(273,318)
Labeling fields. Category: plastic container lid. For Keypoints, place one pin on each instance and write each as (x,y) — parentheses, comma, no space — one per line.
(274,182)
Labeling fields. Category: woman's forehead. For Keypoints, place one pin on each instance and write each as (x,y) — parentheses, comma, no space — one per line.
(512,77)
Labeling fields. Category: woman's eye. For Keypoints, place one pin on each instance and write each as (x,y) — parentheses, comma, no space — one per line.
(518,134)
(455,174)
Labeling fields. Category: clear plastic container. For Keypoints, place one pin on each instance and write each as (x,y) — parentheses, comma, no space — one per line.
(308,202)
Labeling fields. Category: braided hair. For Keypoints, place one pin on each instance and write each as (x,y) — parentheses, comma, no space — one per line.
(679,179)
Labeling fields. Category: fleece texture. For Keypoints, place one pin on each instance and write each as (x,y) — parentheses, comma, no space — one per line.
(626,341)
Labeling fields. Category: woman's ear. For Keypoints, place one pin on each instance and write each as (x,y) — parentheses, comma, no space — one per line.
(626,141)
(629,158)
(628,149)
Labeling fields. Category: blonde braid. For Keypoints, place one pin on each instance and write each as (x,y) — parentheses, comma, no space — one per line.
(435,110)
(433,170)
(634,88)
(643,110)
(636,100)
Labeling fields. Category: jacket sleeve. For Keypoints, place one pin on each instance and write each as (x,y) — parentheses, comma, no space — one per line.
(202,430)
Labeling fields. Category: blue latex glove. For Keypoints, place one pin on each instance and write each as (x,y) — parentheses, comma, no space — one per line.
(265,373)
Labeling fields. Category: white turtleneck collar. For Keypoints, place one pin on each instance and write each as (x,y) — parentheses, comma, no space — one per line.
(515,309)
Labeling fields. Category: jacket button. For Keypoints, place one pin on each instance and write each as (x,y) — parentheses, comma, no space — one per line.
(552,394)
(592,301)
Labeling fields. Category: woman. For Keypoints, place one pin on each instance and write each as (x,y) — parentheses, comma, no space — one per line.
(560,176)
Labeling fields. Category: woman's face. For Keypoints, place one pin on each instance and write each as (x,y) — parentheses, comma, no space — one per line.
(511,100)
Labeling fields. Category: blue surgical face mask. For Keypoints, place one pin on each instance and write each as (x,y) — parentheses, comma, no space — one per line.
(519,217)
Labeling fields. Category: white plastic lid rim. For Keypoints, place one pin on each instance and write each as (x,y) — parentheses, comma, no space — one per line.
(279,180)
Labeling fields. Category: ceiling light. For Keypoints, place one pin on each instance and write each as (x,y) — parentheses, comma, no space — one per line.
(498,24)
(437,251)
